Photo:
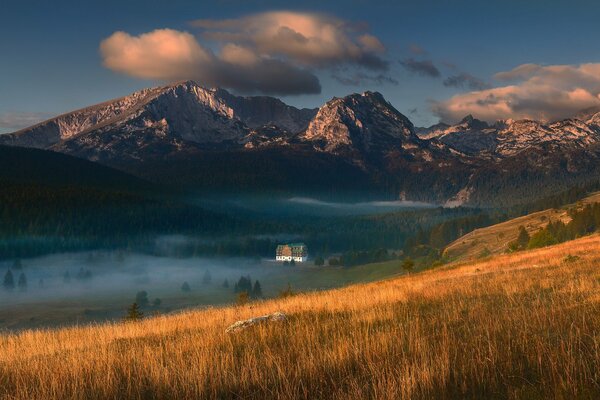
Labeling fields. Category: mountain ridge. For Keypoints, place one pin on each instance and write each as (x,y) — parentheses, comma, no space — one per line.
(470,162)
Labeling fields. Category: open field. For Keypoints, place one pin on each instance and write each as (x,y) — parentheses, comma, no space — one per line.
(522,325)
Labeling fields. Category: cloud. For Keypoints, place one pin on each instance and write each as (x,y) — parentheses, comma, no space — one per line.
(465,80)
(271,52)
(416,50)
(360,78)
(310,39)
(424,68)
(535,92)
(10,121)
(169,55)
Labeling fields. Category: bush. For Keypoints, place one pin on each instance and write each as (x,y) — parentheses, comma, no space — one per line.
(242,298)
(287,292)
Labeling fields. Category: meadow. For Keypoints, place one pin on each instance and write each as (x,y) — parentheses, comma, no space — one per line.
(522,325)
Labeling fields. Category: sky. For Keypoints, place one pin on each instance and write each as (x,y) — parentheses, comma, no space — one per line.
(433,60)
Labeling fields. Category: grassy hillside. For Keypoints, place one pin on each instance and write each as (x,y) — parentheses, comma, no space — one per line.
(524,325)
(495,239)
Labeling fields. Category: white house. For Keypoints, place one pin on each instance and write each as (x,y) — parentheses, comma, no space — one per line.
(296,252)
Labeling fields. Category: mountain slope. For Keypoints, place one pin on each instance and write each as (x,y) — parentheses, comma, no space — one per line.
(41,167)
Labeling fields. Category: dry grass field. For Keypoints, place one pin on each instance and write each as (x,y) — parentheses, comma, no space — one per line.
(524,325)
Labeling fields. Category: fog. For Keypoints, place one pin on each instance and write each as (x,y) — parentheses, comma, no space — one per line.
(298,205)
(100,285)
(115,272)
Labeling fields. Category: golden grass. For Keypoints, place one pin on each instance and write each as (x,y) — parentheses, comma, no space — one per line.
(525,325)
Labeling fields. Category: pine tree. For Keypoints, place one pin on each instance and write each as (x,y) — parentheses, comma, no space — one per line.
(523,238)
(226,284)
(243,285)
(185,287)
(134,313)
(22,283)
(9,280)
(257,290)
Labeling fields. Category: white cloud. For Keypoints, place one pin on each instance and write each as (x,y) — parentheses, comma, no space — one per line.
(536,92)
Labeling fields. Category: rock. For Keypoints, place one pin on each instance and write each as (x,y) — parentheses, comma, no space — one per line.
(240,325)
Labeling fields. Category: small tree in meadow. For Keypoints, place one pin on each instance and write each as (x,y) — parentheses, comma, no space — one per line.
(134,313)
(319,261)
(242,298)
(257,290)
(287,292)
(408,264)
(185,287)
(522,238)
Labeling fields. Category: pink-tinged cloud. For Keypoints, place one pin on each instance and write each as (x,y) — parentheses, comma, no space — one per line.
(169,55)
(311,39)
(163,54)
(537,92)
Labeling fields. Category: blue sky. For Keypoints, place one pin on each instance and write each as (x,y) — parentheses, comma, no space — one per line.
(52,63)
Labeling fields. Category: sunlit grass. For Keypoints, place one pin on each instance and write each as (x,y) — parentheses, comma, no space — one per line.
(525,325)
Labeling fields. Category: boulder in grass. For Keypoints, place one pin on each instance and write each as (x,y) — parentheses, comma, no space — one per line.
(240,325)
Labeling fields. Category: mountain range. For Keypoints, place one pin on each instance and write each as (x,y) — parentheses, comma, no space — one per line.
(209,139)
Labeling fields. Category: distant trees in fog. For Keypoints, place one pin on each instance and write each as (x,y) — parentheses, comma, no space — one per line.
(141,298)
(9,280)
(22,283)
(244,285)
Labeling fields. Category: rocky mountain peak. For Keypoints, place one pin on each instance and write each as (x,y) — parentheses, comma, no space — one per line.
(362,121)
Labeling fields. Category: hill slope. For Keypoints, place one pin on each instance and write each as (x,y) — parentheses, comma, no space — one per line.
(523,325)
(495,239)
(40,167)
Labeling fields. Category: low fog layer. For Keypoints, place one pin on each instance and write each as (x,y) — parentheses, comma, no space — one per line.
(299,205)
(102,274)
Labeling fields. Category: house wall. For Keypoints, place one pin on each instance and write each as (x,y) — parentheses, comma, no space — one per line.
(290,258)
